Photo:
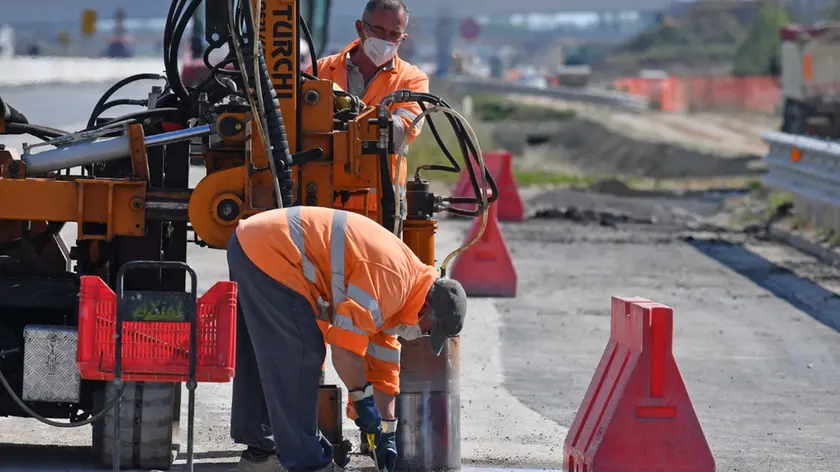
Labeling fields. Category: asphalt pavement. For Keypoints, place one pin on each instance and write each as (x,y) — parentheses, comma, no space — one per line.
(754,340)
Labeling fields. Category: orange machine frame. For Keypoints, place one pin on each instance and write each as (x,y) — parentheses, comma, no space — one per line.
(238,172)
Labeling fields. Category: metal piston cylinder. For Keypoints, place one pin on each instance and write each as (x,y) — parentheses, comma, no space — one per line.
(429,407)
(89,152)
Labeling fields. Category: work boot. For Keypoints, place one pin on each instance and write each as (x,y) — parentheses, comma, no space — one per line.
(258,462)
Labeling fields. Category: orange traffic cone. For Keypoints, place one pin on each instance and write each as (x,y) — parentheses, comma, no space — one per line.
(486,269)
(500,165)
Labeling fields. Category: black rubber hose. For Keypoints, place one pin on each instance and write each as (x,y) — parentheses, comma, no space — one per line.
(172,73)
(172,70)
(35,130)
(108,93)
(130,117)
(313,56)
(119,102)
(276,128)
(10,114)
(455,166)
(94,418)
(468,147)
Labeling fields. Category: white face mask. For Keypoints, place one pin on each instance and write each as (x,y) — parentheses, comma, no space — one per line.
(379,51)
(409,332)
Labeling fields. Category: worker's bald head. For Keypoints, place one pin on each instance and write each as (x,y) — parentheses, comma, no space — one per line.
(384,19)
(385,5)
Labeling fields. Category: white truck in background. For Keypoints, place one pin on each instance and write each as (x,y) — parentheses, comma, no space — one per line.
(810,79)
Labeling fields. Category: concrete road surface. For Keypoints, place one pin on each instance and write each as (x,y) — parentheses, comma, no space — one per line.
(755,338)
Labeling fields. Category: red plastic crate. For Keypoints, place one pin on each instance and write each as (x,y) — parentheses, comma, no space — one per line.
(156,351)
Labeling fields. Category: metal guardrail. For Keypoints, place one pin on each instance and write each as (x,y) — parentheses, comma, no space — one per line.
(584,95)
(805,166)
(809,169)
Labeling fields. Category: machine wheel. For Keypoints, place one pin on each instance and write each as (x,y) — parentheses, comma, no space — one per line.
(149,421)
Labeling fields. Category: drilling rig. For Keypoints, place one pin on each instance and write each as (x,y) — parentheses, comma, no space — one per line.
(84,338)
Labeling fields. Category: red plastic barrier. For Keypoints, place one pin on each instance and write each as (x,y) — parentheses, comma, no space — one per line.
(486,269)
(636,415)
(500,166)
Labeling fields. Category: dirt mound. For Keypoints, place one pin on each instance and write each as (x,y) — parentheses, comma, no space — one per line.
(590,147)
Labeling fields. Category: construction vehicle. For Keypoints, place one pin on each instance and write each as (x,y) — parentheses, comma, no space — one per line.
(71,340)
(809,79)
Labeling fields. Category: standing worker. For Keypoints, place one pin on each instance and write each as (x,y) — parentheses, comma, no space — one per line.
(370,69)
(309,276)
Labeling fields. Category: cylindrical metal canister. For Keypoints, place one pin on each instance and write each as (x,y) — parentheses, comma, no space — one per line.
(429,403)
(429,408)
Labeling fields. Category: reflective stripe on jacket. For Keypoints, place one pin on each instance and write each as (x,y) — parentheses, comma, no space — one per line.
(361,280)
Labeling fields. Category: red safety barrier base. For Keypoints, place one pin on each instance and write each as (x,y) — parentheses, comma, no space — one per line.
(500,166)
(486,269)
(636,415)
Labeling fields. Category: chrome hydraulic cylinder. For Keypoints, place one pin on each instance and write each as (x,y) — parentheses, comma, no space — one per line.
(111,149)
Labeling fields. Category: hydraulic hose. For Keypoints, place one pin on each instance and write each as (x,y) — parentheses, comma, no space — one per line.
(72,424)
(468,142)
(43,132)
(277,137)
(307,35)
(97,109)
(484,202)
(267,111)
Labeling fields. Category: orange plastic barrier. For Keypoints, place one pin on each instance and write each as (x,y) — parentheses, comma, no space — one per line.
(500,166)
(636,415)
(724,93)
(486,269)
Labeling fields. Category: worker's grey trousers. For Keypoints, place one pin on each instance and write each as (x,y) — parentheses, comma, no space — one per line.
(279,353)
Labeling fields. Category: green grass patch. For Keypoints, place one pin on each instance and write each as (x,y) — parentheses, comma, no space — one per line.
(754,185)
(532,177)
(493,108)
(776,200)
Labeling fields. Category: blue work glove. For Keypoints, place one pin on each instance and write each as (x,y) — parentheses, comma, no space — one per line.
(386,446)
(369,420)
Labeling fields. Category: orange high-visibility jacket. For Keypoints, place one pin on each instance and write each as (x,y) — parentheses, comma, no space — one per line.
(362,281)
(399,75)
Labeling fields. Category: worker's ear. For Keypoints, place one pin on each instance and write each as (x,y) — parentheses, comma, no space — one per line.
(360,28)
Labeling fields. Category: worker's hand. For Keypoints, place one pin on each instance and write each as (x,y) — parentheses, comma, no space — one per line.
(386,446)
(369,420)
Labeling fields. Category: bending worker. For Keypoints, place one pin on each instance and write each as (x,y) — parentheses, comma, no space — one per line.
(309,276)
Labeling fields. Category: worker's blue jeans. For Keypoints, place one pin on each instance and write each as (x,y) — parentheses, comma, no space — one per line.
(279,353)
